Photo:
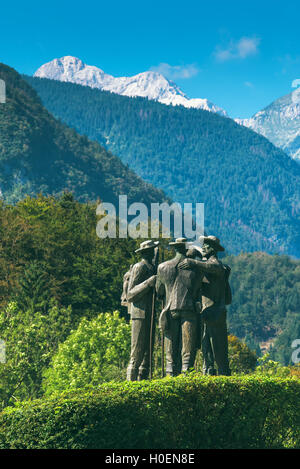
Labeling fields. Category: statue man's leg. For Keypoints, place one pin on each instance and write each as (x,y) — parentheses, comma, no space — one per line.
(219,339)
(188,334)
(144,367)
(172,343)
(207,352)
(138,337)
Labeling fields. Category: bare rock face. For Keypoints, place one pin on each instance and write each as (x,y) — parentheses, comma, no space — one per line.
(280,123)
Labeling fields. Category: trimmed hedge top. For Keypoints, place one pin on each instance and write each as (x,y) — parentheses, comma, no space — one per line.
(187,412)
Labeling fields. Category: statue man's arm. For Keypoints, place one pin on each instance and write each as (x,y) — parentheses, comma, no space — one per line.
(125,286)
(202,267)
(136,288)
(160,287)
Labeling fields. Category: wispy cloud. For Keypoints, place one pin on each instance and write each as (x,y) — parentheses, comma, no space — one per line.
(240,49)
(248,84)
(289,59)
(288,62)
(174,72)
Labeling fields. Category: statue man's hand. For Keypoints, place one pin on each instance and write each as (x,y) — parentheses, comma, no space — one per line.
(152,281)
(185,264)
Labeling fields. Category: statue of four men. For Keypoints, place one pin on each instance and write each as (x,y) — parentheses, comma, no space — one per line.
(194,289)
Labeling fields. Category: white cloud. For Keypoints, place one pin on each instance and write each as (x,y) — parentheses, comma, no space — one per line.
(249,84)
(240,49)
(296,83)
(174,72)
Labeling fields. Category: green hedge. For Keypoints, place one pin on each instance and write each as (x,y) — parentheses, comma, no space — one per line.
(190,412)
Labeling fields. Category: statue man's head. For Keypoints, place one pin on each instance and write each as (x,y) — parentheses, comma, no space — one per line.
(211,246)
(179,245)
(146,249)
(193,252)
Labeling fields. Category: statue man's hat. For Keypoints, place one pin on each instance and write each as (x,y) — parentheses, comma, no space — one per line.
(147,245)
(178,241)
(194,248)
(213,241)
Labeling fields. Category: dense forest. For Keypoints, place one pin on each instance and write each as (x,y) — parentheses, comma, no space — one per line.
(40,154)
(266,301)
(56,275)
(250,188)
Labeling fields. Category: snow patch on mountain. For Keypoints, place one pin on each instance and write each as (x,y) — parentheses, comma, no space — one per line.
(151,85)
(280,123)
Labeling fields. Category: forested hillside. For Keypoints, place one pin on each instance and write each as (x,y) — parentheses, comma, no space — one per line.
(40,154)
(250,188)
(49,250)
(266,301)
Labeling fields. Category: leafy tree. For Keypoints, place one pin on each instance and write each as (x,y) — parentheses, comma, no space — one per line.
(97,351)
(271,368)
(295,370)
(281,349)
(49,249)
(242,359)
(30,339)
(33,291)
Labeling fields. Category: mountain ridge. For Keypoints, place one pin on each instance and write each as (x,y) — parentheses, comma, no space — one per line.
(250,188)
(150,84)
(40,154)
(279,122)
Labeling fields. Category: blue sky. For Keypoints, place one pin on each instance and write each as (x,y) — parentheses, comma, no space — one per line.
(240,55)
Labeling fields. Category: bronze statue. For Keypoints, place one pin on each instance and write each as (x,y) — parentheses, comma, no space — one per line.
(139,295)
(195,289)
(215,295)
(178,320)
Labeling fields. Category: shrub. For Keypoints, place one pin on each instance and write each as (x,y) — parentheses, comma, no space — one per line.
(295,370)
(272,368)
(186,412)
(31,338)
(97,351)
(242,359)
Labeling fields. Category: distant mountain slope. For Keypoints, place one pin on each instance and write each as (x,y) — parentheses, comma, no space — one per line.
(151,85)
(250,188)
(265,297)
(40,154)
(280,123)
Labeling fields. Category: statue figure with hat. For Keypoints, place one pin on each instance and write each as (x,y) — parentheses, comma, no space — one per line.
(178,319)
(139,297)
(216,295)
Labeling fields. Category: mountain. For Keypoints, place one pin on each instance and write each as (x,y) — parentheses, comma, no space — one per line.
(40,154)
(280,123)
(250,188)
(151,85)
